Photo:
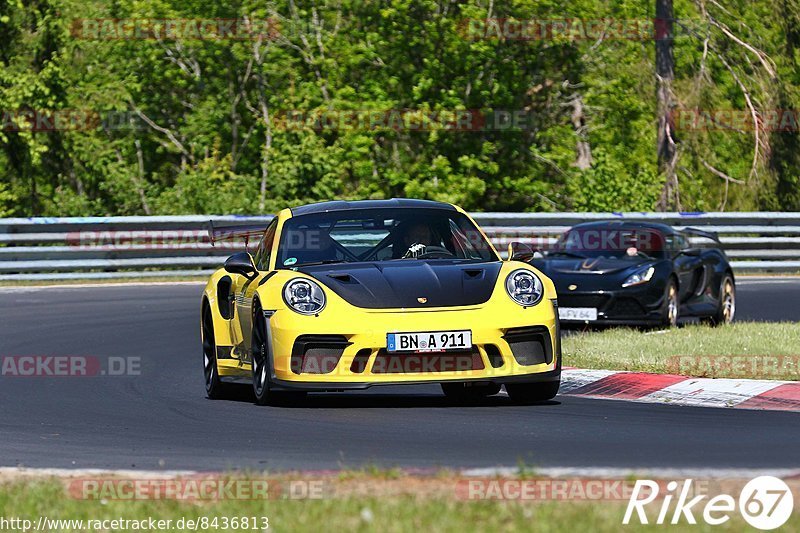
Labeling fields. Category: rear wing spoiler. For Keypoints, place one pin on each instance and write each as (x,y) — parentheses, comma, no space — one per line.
(703,233)
(248,233)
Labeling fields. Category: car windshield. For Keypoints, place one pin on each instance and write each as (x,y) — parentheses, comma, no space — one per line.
(381,235)
(609,242)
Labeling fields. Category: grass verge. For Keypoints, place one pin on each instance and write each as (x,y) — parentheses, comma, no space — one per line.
(741,350)
(378,505)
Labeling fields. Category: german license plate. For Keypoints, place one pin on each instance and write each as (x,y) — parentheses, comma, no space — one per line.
(577,313)
(429,341)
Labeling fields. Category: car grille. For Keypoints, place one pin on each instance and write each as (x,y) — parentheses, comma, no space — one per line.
(317,354)
(626,307)
(420,363)
(597,301)
(530,346)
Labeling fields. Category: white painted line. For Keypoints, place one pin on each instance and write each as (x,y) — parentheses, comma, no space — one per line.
(794,281)
(705,392)
(751,277)
(16,472)
(33,288)
(617,472)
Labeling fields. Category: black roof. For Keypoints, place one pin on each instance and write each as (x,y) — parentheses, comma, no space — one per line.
(341,205)
(627,224)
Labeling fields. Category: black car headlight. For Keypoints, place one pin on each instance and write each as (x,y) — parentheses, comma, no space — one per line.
(524,287)
(641,276)
(304,296)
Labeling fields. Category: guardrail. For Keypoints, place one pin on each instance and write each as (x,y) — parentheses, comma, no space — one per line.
(141,247)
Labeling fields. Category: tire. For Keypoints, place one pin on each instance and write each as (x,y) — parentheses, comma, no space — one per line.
(261,368)
(726,310)
(465,392)
(260,354)
(526,393)
(671,305)
(215,388)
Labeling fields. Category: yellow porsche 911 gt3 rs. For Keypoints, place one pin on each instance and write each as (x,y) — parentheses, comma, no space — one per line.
(347,295)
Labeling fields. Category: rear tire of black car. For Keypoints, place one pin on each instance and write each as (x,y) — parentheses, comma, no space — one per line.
(726,308)
(466,392)
(215,388)
(261,366)
(671,305)
(527,393)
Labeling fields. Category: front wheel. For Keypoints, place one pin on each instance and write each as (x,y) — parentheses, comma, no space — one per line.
(526,393)
(261,366)
(260,356)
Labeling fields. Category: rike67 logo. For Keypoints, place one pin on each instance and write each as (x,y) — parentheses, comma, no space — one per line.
(765,503)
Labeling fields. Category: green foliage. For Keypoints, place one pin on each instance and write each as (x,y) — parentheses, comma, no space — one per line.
(609,186)
(195,126)
(6,201)
(208,187)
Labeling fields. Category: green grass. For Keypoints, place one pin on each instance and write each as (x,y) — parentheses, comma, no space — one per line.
(411,511)
(741,350)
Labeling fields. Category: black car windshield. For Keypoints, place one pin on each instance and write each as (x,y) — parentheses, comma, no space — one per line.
(381,235)
(610,242)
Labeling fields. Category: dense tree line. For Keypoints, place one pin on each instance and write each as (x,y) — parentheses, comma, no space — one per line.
(99,119)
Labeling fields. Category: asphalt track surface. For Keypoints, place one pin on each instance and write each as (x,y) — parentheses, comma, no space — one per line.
(161,419)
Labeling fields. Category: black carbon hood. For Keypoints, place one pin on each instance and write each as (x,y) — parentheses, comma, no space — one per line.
(400,284)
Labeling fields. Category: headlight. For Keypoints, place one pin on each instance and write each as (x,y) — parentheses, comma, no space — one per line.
(642,276)
(304,296)
(524,287)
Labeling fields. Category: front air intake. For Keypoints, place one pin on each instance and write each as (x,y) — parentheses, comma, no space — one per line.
(317,354)
(530,346)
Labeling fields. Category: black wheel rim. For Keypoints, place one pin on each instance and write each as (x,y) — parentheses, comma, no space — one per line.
(209,349)
(259,348)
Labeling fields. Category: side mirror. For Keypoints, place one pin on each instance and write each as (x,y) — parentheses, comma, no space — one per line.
(692,252)
(241,263)
(519,251)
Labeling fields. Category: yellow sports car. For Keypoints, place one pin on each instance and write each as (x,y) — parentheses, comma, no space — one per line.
(347,295)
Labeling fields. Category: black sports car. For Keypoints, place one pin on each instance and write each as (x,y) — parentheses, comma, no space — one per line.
(637,273)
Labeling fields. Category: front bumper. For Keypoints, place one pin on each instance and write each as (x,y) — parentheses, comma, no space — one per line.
(510,344)
(282,385)
(627,306)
